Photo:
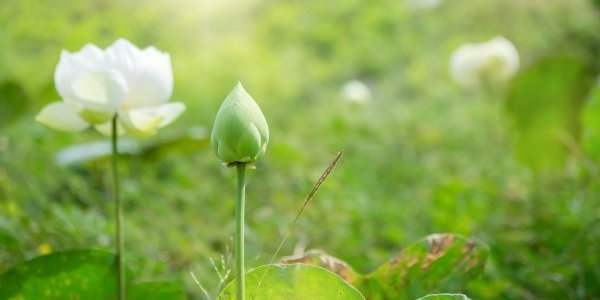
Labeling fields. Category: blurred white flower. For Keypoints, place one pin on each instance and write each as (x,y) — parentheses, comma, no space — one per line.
(356,91)
(496,60)
(424,4)
(95,84)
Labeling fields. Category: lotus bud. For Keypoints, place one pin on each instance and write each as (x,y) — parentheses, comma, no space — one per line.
(240,133)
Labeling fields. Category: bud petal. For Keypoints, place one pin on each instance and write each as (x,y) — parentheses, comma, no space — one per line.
(240,132)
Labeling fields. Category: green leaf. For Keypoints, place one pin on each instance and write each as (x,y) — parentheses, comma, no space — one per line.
(8,239)
(84,274)
(591,126)
(293,282)
(156,291)
(79,274)
(438,262)
(543,105)
(324,260)
(93,151)
(13,102)
(186,141)
(596,3)
(445,297)
(189,140)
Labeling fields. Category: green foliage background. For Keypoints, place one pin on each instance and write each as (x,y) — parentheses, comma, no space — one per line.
(424,156)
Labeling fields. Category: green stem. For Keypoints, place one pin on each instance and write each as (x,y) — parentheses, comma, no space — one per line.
(118,213)
(239,232)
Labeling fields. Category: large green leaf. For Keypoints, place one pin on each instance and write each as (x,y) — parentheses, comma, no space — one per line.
(445,296)
(543,105)
(93,151)
(189,140)
(324,260)
(80,274)
(293,282)
(183,141)
(439,262)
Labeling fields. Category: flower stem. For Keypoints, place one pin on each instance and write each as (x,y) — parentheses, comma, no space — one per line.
(118,213)
(239,231)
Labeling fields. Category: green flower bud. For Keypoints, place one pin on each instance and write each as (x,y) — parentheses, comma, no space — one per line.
(240,133)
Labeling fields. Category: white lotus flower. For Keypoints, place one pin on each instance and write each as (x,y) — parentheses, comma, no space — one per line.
(356,91)
(95,85)
(496,61)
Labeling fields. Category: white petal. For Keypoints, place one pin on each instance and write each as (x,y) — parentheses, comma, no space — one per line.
(70,65)
(157,67)
(123,55)
(170,112)
(146,121)
(102,90)
(65,71)
(61,116)
(148,73)
(84,78)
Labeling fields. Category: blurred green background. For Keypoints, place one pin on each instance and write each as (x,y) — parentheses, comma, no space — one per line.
(423,156)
